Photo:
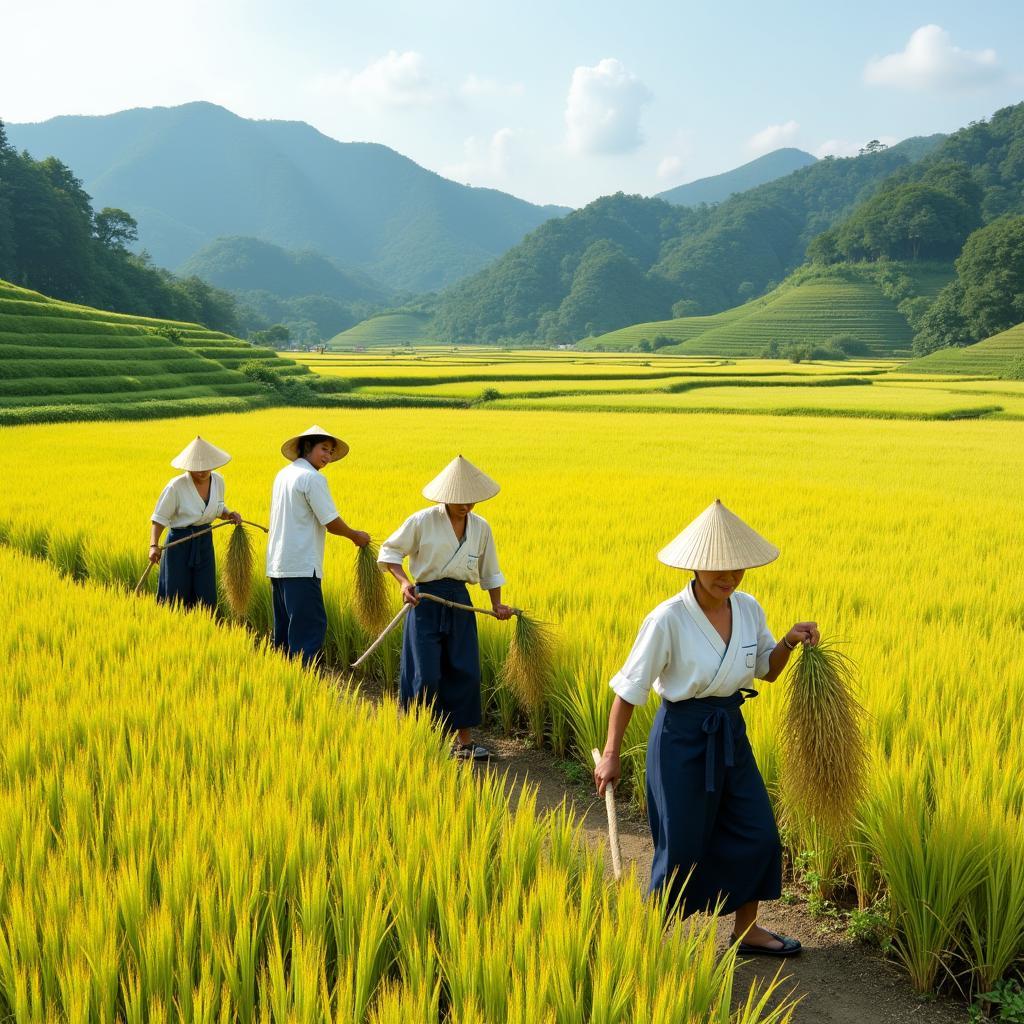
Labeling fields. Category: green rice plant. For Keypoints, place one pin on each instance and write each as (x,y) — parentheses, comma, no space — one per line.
(67,552)
(527,669)
(823,745)
(373,609)
(236,572)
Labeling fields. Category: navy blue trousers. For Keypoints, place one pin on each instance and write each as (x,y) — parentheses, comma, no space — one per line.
(188,573)
(709,809)
(300,619)
(441,657)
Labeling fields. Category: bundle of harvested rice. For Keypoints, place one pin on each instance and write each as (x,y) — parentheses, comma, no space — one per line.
(236,571)
(527,667)
(824,758)
(371,596)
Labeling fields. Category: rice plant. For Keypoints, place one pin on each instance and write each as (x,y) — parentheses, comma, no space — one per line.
(236,571)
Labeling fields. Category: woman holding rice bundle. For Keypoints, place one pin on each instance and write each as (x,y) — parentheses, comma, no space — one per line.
(715,838)
(188,505)
(447,547)
(302,513)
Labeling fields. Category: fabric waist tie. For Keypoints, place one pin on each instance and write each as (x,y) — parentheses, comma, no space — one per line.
(450,590)
(717,721)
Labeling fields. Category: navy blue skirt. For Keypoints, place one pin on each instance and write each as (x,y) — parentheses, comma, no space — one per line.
(441,657)
(709,810)
(188,572)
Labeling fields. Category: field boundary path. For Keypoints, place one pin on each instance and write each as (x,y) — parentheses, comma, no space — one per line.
(840,981)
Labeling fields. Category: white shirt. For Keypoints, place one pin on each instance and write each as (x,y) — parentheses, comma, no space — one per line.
(435,553)
(301,506)
(179,503)
(681,655)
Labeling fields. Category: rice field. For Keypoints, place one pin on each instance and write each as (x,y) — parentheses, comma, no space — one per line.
(192,830)
(901,538)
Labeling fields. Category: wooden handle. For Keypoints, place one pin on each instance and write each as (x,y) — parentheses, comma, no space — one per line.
(143,577)
(387,629)
(463,607)
(613,821)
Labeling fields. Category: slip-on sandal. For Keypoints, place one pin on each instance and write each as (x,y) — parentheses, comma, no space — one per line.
(790,947)
(469,752)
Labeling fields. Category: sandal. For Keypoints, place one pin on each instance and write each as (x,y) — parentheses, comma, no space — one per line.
(469,752)
(790,947)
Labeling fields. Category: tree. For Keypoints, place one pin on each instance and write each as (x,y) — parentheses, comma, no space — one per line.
(943,326)
(874,146)
(991,273)
(115,228)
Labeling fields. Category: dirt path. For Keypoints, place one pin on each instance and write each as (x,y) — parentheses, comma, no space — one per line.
(840,981)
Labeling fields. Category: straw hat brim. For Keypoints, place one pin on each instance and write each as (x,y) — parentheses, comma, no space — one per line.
(718,541)
(199,456)
(460,483)
(290,449)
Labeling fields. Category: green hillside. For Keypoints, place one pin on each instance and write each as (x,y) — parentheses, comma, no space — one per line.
(810,309)
(718,187)
(386,329)
(996,356)
(63,361)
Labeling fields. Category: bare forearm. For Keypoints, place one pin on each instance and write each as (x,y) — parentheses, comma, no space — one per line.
(340,528)
(495,593)
(618,719)
(155,533)
(396,570)
(777,661)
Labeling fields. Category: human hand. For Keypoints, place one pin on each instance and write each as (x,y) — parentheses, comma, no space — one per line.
(234,517)
(607,772)
(154,553)
(502,611)
(360,538)
(804,633)
(409,595)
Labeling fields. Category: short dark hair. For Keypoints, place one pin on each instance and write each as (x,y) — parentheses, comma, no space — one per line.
(307,444)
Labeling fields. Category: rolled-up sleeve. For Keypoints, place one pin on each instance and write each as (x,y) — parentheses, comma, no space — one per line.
(649,657)
(765,644)
(166,506)
(490,574)
(320,501)
(403,542)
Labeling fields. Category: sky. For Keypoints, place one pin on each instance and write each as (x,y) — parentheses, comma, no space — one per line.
(553,102)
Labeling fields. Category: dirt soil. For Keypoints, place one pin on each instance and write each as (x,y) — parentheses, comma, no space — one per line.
(839,981)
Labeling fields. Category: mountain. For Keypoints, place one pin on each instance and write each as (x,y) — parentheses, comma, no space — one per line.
(193,173)
(626,259)
(714,189)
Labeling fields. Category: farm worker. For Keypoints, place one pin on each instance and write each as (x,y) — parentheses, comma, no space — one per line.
(188,505)
(447,546)
(706,801)
(302,513)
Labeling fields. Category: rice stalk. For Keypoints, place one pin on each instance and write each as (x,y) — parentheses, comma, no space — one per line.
(237,570)
(370,593)
(824,757)
(527,668)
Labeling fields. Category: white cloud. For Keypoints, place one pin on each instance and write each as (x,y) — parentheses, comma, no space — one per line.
(396,80)
(669,166)
(930,61)
(773,137)
(602,111)
(477,86)
(485,160)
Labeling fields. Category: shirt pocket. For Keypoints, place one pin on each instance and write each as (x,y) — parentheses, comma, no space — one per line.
(750,655)
(472,563)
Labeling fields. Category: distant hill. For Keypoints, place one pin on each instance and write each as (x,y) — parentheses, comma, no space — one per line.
(812,308)
(193,173)
(61,361)
(386,329)
(714,189)
(996,356)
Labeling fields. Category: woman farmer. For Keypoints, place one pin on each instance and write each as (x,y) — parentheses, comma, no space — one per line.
(188,505)
(447,547)
(714,834)
(302,513)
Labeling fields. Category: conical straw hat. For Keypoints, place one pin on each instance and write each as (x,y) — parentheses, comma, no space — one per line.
(460,483)
(200,455)
(718,540)
(290,449)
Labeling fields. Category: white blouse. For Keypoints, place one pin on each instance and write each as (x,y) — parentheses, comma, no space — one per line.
(301,506)
(180,505)
(681,655)
(435,553)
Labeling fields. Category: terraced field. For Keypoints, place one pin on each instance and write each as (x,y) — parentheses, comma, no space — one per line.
(811,312)
(383,330)
(994,355)
(62,361)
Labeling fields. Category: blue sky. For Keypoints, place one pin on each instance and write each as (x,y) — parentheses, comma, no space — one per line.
(554,102)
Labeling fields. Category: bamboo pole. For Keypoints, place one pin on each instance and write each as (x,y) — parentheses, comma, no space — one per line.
(403,611)
(463,607)
(185,540)
(613,821)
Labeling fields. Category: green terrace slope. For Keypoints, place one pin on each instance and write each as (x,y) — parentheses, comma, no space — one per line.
(63,361)
(809,311)
(994,356)
(385,329)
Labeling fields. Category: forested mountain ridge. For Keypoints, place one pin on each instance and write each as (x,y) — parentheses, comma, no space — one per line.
(718,187)
(196,172)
